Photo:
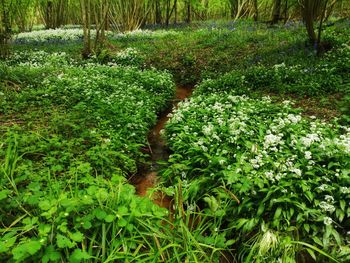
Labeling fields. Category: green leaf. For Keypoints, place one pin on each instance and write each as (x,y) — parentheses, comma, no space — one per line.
(309,196)
(77,236)
(277,213)
(342,204)
(123,210)
(26,250)
(44,229)
(122,222)
(63,242)
(50,254)
(260,209)
(230,242)
(4,194)
(78,255)
(316,249)
(311,253)
(100,214)
(317,240)
(240,222)
(109,218)
(6,244)
(336,237)
(87,224)
(45,205)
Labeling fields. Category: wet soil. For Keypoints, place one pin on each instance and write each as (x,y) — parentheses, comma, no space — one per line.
(148,178)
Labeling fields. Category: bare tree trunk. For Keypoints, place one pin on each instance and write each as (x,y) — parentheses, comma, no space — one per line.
(54,13)
(255,10)
(175,10)
(233,8)
(5,30)
(188,14)
(205,13)
(285,12)
(85,14)
(101,13)
(276,12)
(309,17)
(168,13)
(158,12)
(319,46)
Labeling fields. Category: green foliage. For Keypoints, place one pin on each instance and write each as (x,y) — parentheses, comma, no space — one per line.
(330,75)
(281,177)
(71,133)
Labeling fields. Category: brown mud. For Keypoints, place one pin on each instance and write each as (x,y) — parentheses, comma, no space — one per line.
(148,178)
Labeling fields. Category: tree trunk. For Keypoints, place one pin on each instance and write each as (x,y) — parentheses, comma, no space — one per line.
(188,14)
(205,13)
(168,13)
(5,31)
(175,11)
(255,10)
(85,15)
(158,13)
(233,8)
(276,12)
(309,17)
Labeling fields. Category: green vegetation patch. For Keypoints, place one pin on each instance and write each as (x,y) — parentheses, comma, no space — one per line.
(70,134)
(272,178)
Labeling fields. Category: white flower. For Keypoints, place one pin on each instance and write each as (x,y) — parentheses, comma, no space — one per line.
(207,130)
(294,118)
(323,187)
(329,198)
(327,220)
(308,155)
(296,171)
(271,140)
(326,207)
(345,190)
(310,139)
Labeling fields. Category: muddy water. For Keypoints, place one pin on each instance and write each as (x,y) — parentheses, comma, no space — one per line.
(148,179)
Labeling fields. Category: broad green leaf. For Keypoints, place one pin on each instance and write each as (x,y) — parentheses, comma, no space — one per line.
(78,255)
(25,250)
(50,254)
(64,242)
(77,236)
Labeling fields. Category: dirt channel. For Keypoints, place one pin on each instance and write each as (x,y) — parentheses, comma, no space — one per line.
(148,179)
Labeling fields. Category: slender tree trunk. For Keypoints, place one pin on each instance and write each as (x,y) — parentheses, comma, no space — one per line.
(285,11)
(175,11)
(5,30)
(320,47)
(168,13)
(188,14)
(85,14)
(255,10)
(276,12)
(233,8)
(205,13)
(158,13)
(309,17)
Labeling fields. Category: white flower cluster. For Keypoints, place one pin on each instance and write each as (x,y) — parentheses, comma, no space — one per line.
(280,145)
(40,59)
(144,33)
(52,36)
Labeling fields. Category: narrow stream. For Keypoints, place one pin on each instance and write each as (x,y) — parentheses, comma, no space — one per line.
(159,152)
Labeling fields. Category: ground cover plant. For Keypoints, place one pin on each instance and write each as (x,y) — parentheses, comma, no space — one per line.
(253,175)
(70,138)
(278,181)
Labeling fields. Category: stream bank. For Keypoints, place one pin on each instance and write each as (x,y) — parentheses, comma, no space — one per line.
(148,178)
